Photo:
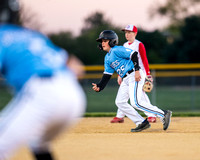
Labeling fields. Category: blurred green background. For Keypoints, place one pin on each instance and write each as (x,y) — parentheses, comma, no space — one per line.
(179,94)
(176,43)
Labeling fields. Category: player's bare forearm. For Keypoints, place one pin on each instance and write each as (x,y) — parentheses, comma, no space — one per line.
(119,80)
(150,77)
(95,88)
(137,76)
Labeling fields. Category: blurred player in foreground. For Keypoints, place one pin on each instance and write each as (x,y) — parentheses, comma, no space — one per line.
(48,98)
(136,45)
(125,62)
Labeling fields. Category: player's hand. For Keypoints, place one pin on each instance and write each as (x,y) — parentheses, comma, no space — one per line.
(150,77)
(137,76)
(95,88)
(119,80)
(76,66)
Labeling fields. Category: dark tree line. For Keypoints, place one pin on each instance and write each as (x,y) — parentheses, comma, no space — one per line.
(179,44)
(185,48)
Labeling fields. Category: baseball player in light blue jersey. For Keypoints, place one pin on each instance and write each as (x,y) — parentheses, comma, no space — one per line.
(125,62)
(47,99)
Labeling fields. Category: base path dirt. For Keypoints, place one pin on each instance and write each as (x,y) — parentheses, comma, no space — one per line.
(98,139)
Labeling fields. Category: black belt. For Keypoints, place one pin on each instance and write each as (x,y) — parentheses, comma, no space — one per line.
(129,72)
(45,75)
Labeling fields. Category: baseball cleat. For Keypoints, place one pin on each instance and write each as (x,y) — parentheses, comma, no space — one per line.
(167,119)
(144,125)
(151,119)
(117,120)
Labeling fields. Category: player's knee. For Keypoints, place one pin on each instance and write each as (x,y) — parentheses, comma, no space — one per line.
(119,102)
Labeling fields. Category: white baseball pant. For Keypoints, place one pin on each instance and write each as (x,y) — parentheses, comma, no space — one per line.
(44,108)
(120,114)
(130,88)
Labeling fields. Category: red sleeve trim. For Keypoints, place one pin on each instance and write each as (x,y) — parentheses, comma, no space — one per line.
(143,56)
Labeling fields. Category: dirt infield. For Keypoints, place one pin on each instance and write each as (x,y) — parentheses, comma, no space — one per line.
(98,139)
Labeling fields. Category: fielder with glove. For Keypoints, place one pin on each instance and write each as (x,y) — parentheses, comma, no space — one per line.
(134,44)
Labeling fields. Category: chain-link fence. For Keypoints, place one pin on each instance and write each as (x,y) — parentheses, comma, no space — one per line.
(176,87)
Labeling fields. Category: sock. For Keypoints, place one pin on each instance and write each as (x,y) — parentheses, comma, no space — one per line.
(43,156)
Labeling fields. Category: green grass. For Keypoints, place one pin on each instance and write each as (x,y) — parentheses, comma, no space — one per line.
(101,101)
(178,99)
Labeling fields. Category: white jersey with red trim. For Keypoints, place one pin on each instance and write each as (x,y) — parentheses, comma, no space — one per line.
(144,65)
(142,57)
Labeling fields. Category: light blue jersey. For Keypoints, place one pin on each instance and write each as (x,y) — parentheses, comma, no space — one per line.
(24,53)
(118,59)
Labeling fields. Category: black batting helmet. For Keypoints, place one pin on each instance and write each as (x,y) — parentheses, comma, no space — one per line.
(9,11)
(110,35)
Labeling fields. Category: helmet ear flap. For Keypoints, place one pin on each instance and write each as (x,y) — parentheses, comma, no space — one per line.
(112,42)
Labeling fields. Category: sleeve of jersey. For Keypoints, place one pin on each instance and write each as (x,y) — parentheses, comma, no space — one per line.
(107,68)
(143,56)
(103,82)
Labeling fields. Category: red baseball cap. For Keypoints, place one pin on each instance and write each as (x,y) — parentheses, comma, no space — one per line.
(131,28)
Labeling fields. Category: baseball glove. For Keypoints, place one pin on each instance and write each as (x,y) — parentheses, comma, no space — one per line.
(148,84)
